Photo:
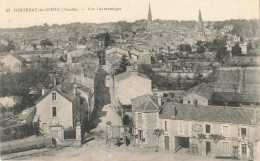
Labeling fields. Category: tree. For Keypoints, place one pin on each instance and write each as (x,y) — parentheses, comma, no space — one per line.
(200,49)
(107,39)
(122,65)
(249,47)
(221,53)
(158,133)
(236,50)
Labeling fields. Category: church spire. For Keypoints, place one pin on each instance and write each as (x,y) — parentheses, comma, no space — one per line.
(200,23)
(150,14)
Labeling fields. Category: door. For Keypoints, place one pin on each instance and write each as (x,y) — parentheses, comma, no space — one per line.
(244,150)
(207,147)
(44,128)
(167,142)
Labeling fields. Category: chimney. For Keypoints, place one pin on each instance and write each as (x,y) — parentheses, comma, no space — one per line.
(174,111)
(43,91)
(129,68)
(160,100)
(59,87)
(75,91)
(54,81)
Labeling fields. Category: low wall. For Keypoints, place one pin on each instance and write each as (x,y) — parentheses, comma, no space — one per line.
(72,142)
(30,143)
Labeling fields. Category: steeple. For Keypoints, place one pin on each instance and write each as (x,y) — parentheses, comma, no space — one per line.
(150,14)
(200,23)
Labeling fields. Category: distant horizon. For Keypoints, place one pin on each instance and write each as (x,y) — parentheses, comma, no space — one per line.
(126,21)
(130,11)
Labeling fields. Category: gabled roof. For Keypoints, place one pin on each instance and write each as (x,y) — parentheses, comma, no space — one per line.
(64,89)
(18,57)
(203,90)
(236,97)
(218,114)
(145,103)
(128,74)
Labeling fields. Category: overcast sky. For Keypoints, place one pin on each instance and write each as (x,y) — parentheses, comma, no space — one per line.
(131,10)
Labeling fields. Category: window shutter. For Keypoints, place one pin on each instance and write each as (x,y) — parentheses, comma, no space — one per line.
(238,131)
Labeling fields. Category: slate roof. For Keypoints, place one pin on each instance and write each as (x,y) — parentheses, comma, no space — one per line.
(217,114)
(128,74)
(203,90)
(66,91)
(145,103)
(235,97)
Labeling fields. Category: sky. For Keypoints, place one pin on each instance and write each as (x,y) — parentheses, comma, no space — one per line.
(131,10)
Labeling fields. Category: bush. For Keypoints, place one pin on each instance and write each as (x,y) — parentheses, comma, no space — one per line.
(70,133)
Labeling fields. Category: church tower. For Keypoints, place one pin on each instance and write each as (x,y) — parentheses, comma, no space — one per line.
(150,14)
(200,23)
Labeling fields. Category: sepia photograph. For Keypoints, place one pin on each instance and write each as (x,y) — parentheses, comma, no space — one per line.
(139,80)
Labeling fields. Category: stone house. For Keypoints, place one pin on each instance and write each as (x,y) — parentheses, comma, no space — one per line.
(145,112)
(131,84)
(198,95)
(58,107)
(213,131)
(14,63)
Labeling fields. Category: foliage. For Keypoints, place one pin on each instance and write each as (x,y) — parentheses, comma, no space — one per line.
(123,63)
(216,137)
(27,85)
(126,120)
(70,133)
(158,133)
(249,47)
(201,137)
(236,50)
(46,42)
(184,47)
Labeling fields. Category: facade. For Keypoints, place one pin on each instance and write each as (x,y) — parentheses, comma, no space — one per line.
(58,106)
(198,95)
(145,110)
(131,84)
(212,131)
(14,63)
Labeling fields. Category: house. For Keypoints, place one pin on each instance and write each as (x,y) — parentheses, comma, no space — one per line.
(131,84)
(58,106)
(145,111)
(213,131)
(14,63)
(198,95)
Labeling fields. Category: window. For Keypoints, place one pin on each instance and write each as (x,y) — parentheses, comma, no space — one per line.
(207,128)
(243,132)
(165,126)
(244,149)
(140,133)
(225,130)
(226,147)
(188,102)
(54,96)
(54,112)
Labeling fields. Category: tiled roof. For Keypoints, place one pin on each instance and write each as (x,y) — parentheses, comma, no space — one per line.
(128,74)
(18,57)
(145,103)
(235,97)
(66,91)
(220,114)
(203,90)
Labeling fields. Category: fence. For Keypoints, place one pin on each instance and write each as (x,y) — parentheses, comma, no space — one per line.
(32,142)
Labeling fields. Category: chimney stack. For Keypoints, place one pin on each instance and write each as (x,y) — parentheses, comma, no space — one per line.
(54,81)
(160,100)
(43,91)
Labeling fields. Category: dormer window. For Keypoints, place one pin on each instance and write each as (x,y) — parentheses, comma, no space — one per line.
(54,96)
